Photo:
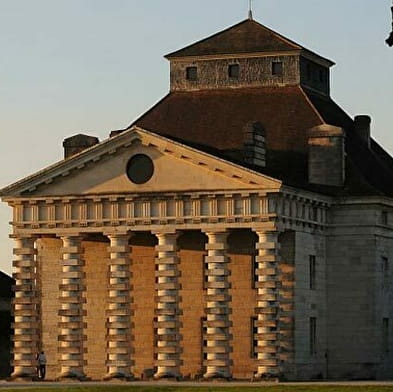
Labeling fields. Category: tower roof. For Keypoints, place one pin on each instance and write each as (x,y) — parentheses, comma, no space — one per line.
(247,36)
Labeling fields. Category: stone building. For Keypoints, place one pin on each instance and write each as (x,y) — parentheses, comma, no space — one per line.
(241,228)
(6,283)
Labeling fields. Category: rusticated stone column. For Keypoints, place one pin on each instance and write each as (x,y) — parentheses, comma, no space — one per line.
(118,346)
(167,306)
(267,308)
(25,309)
(218,346)
(71,337)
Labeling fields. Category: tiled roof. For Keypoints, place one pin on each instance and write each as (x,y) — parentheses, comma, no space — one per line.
(284,112)
(247,36)
(213,121)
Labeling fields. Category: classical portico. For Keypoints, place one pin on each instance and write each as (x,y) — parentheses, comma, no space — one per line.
(90,230)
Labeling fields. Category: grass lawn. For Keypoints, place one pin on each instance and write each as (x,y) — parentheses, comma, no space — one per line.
(261,388)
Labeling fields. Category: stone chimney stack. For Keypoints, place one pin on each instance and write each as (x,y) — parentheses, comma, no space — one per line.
(326,155)
(362,128)
(77,143)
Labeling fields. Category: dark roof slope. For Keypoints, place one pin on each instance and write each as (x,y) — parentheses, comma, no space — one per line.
(369,170)
(285,112)
(247,36)
(213,121)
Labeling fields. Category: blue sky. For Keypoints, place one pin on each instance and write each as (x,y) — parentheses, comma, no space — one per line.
(68,66)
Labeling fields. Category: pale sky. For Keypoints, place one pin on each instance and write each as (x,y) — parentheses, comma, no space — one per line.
(68,66)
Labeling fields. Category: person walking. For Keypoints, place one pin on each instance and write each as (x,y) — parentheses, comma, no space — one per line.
(42,365)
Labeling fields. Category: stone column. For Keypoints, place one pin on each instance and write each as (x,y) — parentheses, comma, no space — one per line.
(267,305)
(26,339)
(71,338)
(118,345)
(217,307)
(167,306)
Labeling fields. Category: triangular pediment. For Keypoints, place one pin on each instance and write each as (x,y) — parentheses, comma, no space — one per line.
(106,169)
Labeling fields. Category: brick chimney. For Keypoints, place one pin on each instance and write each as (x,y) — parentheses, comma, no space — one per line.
(326,156)
(362,128)
(77,143)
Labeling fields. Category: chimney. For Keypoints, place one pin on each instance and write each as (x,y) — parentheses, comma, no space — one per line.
(362,128)
(326,156)
(77,143)
(254,143)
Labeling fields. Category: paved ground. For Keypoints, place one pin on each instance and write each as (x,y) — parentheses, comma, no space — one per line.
(37,385)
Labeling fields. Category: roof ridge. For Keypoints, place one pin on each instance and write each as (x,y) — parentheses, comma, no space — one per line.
(294,45)
(207,38)
(312,105)
(280,36)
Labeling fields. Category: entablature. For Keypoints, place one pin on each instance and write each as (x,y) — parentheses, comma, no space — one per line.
(236,208)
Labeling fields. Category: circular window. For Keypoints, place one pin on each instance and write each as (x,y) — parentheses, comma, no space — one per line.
(140,169)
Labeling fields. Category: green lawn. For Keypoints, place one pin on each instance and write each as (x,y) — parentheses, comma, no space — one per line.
(261,388)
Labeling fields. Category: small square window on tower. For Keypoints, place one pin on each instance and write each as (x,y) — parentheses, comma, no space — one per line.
(191,73)
(277,68)
(234,71)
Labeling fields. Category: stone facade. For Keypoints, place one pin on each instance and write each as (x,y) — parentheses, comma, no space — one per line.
(253,72)
(143,257)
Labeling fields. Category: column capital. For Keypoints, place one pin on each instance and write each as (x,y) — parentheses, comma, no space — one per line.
(214,235)
(166,232)
(70,235)
(264,230)
(218,230)
(118,234)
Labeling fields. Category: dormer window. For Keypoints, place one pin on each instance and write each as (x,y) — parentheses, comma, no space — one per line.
(233,71)
(192,73)
(277,68)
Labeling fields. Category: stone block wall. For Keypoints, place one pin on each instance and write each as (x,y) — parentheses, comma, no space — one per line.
(192,253)
(143,293)
(49,269)
(253,72)
(310,302)
(350,302)
(241,254)
(96,270)
(359,293)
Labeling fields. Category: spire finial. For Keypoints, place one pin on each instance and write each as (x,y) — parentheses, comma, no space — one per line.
(250,10)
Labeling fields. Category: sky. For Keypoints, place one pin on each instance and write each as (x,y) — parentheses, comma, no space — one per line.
(92,66)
